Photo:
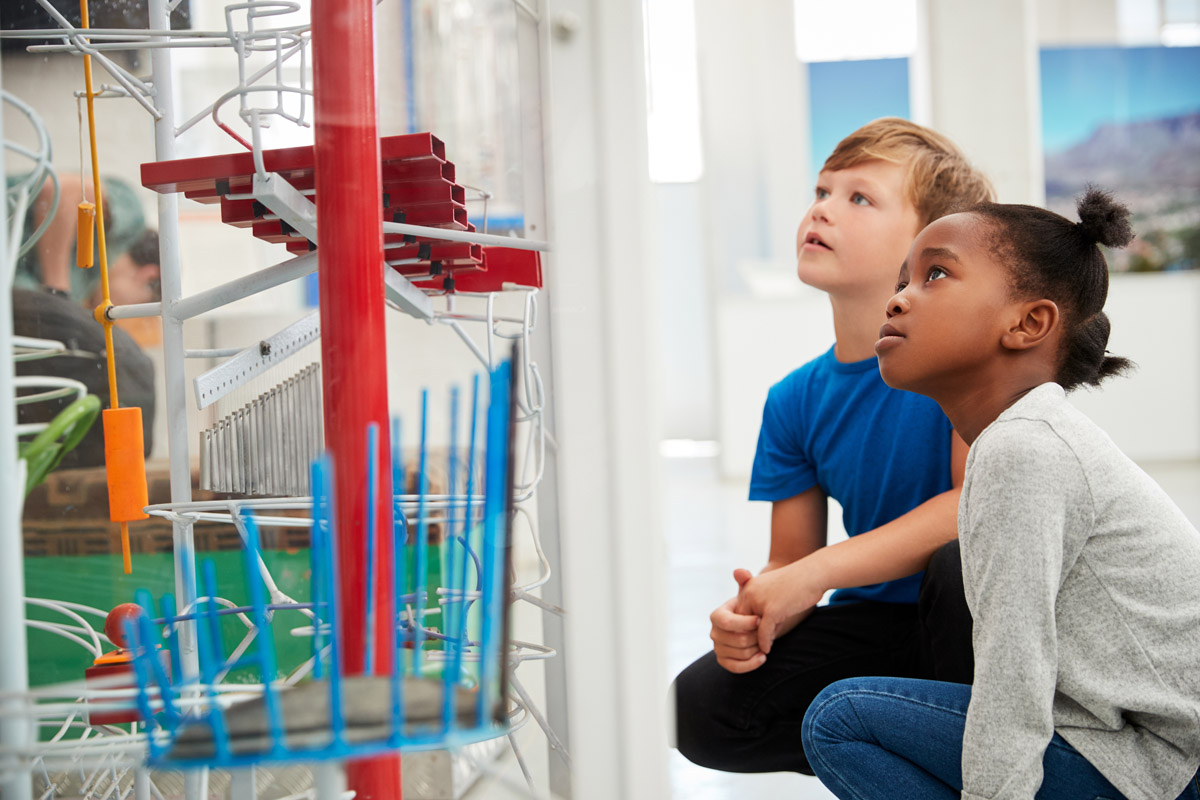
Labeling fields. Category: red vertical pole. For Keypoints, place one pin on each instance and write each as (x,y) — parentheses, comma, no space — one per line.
(350,237)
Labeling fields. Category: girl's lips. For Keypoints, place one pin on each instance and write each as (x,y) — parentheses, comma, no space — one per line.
(889,337)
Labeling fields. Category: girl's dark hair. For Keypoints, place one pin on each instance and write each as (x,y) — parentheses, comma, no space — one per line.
(1052,257)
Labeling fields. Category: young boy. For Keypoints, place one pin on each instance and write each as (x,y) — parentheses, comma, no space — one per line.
(833,429)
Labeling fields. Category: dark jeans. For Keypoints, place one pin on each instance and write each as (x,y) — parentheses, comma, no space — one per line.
(880,738)
(752,722)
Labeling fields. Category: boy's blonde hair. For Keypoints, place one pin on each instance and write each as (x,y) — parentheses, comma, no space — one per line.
(938,178)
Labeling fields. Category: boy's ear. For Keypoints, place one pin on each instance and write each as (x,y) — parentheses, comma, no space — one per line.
(1038,319)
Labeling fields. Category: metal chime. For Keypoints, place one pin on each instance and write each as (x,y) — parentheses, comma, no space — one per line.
(267,445)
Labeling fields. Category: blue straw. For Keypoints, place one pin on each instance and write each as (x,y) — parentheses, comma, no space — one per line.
(211,654)
(422,537)
(337,720)
(449,677)
(266,642)
(317,565)
(465,539)
(372,495)
(495,506)
(399,537)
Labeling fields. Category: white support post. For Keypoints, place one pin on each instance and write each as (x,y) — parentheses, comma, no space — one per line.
(16,730)
(173,357)
(603,311)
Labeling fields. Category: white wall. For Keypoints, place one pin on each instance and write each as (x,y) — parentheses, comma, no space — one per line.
(1154,414)
(682,323)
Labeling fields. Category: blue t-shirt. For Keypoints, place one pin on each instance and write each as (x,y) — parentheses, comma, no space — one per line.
(878,451)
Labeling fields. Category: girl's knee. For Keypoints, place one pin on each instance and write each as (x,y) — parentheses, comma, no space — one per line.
(832,717)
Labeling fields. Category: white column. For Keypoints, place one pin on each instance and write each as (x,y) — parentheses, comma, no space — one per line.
(754,132)
(601,315)
(16,732)
(975,78)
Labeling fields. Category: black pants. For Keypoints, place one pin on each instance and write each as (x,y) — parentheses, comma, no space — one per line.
(751,722)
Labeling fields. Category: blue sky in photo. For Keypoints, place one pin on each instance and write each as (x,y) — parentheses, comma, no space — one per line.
(845,95)
(1084,87)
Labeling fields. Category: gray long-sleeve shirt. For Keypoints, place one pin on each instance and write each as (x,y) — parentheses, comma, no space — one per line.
(1084,582)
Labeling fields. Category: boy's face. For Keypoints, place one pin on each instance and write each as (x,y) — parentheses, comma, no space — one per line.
(129,282)
(854,236)
(952,306)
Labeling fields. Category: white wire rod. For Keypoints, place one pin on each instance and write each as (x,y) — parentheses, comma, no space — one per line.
(137,89)
(99,612)
(58,630)
(84,627)
(62,387)
(254,78)
(220,352)
(26,348)
(447,235)
(436,501)
(512,742)
(245,286)
(556,744)
(468,341)
(277,596)
(122,46)
(442,316)
(111,33)
(20,207)
(558,611)
(278,88)
(134,311)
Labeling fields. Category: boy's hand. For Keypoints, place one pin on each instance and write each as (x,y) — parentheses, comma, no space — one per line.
(735,635)
(780,599)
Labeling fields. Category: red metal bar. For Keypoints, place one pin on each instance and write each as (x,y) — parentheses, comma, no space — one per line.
(352,334)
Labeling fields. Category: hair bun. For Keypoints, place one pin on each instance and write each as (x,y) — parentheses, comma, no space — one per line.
(1102,219)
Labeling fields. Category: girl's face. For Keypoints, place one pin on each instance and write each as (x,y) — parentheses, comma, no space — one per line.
(952,306)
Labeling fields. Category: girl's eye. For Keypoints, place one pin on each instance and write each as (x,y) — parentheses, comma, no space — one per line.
(859,200)
(822,193)
(901,286)
(936,273)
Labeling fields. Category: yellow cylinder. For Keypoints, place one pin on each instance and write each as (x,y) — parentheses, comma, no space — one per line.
(85,230)
(125,463)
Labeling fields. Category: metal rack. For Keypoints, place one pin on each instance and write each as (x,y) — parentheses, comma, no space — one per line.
(118,753)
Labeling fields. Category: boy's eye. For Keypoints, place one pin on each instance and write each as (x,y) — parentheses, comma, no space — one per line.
(822,193)
(936,273)
(859,200)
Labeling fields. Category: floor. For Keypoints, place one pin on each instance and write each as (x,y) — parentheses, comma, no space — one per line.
(711,529)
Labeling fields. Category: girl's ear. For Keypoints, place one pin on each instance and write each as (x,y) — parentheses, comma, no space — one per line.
(1039,319)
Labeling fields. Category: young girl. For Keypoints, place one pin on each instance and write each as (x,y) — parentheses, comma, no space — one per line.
(1082,577)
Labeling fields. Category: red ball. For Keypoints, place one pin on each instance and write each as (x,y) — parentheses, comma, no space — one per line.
(114,623)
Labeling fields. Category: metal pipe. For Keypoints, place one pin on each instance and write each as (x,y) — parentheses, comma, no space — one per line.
(134,311)
(16,730)
(448,235)
(174,376)
(353,335)
(238,288)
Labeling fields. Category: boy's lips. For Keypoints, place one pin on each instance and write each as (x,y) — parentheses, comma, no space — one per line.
(814,241)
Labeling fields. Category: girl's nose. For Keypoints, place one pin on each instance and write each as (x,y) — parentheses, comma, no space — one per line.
(897,305)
